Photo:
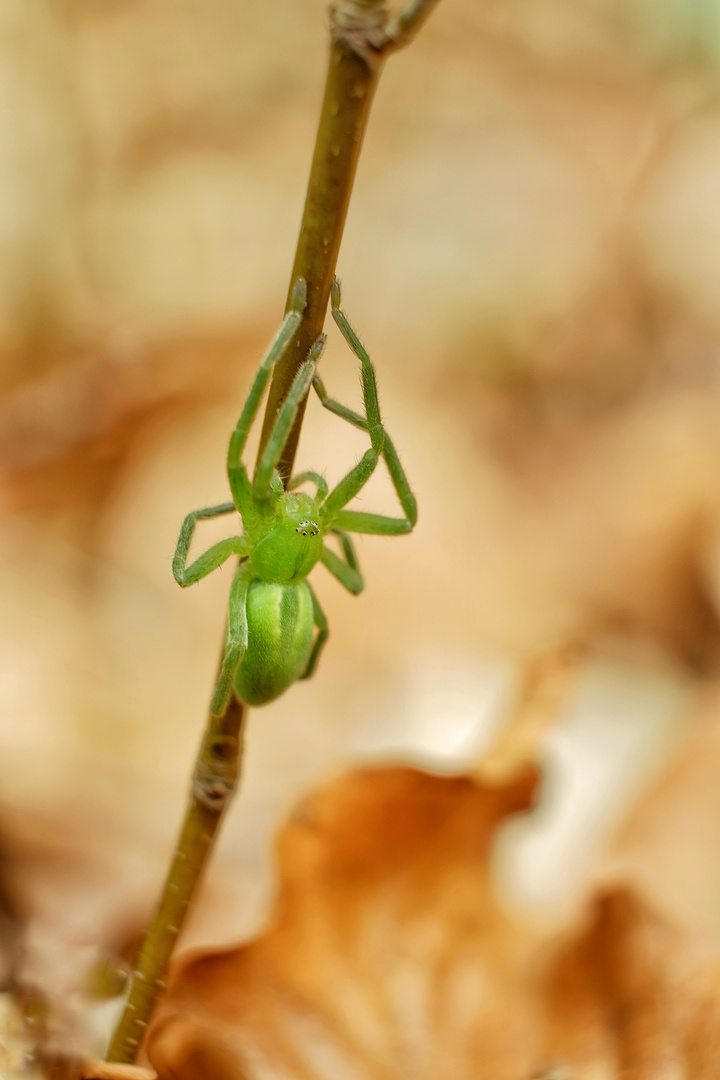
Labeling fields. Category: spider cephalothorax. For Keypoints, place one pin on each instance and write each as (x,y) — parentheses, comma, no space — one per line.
(290,545)
(273,609)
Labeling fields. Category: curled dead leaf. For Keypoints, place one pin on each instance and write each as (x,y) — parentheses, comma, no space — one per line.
(108,1070)
(385,944)
(389,956)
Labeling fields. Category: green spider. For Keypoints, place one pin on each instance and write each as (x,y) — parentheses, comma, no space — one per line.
(273,609)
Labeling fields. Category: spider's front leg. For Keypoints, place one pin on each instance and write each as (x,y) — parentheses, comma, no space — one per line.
(262,481)
(333,507)
(237,473)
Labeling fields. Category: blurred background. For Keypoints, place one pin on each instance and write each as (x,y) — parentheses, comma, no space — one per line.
(532,258)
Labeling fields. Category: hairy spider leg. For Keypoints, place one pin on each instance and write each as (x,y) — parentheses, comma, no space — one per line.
(262,488)
(369,386)
(348,488)
(372,410)
(315,478)
(237,473)
(348,572)
(333,508)
(212,558)
(348,548)
(397,473)
(323,631)
(236,641)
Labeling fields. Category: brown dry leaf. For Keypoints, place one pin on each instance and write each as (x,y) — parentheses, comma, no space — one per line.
(609,995)
(385,937)
(389,957)
(105,1070)
(546,682)
(668,845)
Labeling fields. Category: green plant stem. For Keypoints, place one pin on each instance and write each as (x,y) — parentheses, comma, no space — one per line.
(402,29)
(361,38)
(214,781)
(349,90)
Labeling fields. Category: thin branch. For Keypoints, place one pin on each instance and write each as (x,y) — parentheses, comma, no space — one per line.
(403,28)
(361,39)
(352,77)
(214,781)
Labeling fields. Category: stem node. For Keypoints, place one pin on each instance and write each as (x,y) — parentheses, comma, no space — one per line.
(216,773)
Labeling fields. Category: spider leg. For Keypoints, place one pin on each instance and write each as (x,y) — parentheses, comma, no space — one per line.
(236,641)
(335,407)
(348,549)
(397,473)
(370,396)
(237,473)
(348,572)
(348,488)
(315,478)
(333,511)
(372,524)
(213,557)
(323,632)
(261,486)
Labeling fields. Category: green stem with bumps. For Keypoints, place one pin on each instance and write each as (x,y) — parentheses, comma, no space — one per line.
(349,92)
(362,37)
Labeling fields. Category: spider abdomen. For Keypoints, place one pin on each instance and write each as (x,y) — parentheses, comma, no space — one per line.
(280,633)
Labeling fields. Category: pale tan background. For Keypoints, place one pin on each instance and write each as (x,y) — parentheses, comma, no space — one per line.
(532,258)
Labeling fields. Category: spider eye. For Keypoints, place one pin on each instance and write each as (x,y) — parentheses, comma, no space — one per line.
(306,527)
